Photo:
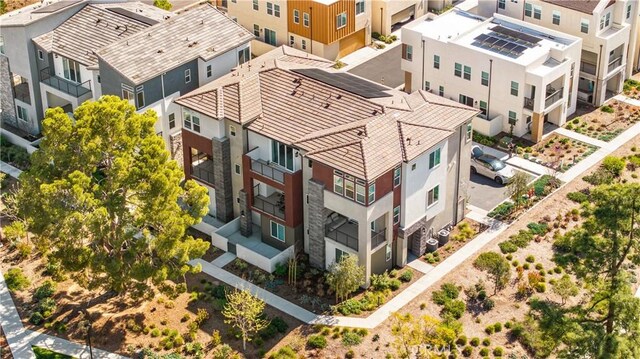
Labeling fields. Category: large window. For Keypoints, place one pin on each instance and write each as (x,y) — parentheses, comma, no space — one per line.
(514,88)
(255,5)
(457,70)
(341,20)
(584,26)
(305,19)
(483,109)
(296,16)
(282,155)
(467,73)
(360,191)
(605,20)
(270,37)
(256,30)
(433,195)
(502,4)
(396,215)
(349,186)
(273,9)
(434,158)
(127,94)
(71,70)
(528,9)
(512,118)
(436,61)
(202,166)
(407,52)
(191,121)
(396,176)
(22,113)
(338,182)
(277,231)
(140,96)
(537,12)
(485,79)
(359,7)
(244,55)
(441,90)
(372,193)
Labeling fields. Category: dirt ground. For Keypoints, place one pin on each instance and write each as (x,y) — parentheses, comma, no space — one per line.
(5,353)
(506,306)
(454,244)
(606,126)
(17,4)
(559,152)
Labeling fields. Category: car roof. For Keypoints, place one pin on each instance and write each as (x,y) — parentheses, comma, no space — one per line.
(487,158)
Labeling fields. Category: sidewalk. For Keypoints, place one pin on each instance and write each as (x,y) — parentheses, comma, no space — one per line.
(10,170)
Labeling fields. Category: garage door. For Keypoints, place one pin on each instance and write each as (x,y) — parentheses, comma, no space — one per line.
(351,43)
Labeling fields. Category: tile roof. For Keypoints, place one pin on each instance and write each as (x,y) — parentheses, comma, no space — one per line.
(200,32)
(90,29)
(584,6)
(360,136)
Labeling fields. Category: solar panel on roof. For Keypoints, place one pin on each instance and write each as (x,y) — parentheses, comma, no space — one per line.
(55,6)
(500,43)
(347,82)
(132,15)
(481,37)
(516,34)
(519,48)
(510,46)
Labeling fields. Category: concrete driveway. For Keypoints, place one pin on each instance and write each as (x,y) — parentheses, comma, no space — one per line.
(383,69)
(485,193)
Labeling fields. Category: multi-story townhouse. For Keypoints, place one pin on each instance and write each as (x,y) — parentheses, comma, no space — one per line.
(389,15)
(518,75)
(153,67)
(21,61)
(325,162)
(609,32)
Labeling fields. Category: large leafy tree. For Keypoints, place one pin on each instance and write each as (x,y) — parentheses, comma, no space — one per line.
(496,266)
(423,336)
(345,276)
(104,197)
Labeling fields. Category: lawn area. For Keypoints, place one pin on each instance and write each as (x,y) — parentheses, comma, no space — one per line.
(607,122)
(558,152)
(44,353)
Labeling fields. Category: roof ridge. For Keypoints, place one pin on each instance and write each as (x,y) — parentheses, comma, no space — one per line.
(447,102)
(403,148)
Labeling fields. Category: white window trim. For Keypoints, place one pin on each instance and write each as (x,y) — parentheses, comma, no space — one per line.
(398,177)
(340,16)
(437,200)
(296,15)
(439,162)
(187,75)
(278,225)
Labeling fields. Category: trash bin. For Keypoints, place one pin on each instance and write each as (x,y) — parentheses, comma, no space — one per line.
(432,245)
(443,237)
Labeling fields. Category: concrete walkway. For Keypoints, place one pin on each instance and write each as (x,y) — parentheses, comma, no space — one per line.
(419,265)
(10,170)
(224,259)
(580,137)
(21,340)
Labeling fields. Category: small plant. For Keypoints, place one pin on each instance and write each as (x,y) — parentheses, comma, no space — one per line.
(462,340)
(497,327)
(467,351)
(498,351)
(606,109)
(539,266)
(351,339)
(486,342)
(475,341)
(317,342)
(484,352)
(46,290)
(530,259)
(155,333)
(350,354)
(406,276)
(489,329)
(185,318)
(16,280)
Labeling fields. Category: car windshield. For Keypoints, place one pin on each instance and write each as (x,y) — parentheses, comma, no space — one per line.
(496,164)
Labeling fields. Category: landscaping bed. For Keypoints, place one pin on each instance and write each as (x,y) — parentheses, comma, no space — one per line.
(14,155)
(44,353)
(537,191)
(607,122)
(558,152)
(461,234)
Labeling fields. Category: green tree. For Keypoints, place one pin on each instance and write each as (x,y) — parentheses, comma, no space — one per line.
(105,198)
(565,288)
(163,4)
(245,313)
(3,7)
(496,266)
(345,276)
(518,187)
(16,280)
(420,335)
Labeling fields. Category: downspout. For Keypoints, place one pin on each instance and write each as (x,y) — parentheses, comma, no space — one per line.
(311,27)
(524,5)
(164,115)
(423,55)
(489,93)
(457,194)
(595,89)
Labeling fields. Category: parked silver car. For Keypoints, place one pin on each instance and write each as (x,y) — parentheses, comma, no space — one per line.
(490,166)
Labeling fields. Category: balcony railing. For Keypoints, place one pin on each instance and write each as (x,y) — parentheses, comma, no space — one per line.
(66,86)
(267,170)
(615,63)
(528,103)
(273,205)
(203,171)
(342,236)
(377,238)
(588,67)
(553,97)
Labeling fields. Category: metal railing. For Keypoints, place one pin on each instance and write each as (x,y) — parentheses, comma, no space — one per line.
(528,103)
(21,92)
(588,67)
(66,86)
(263,204)
(377,238)
(613,64)
(203,171)
(343,238)
(553,97)
(267,170)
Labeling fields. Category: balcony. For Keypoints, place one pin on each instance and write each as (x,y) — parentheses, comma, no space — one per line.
(202,169)
(553,96)
(377,238)
(615,63)
(528,103)
(587,67)
(21,93)
(268,170)
(343,231)
(66,86)
(272,204)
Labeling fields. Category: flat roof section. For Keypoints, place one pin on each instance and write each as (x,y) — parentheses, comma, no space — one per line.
(56,6)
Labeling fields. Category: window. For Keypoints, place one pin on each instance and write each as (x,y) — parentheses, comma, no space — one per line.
(469,131)
(441,91)
(628,11)
(305,19)
(256,30)
(433,195)
(512,118)
(237,169)
(269,8)
(457,71)
(232,130)
(413,166)
(528,8)
(434,158)
(191,121)
(140,96)
(360,192)
(349,187)
(483,109)
(209,71)
(502,4)
(187,76)
(127,94)
(276,10)
(465,100)
(556,17)
(514,88)
(255,5)
(269,36)
(407,52)
(71,70)
(584,26)
(396,215)
(396,176)
(359,7)
(296,16)
(201,166)
(484,80)
(605,20)
(338,183)
(277,231)
(372,193)
(99,79)
(22,113)
(292,41)
(427,86)
(341,20)
(467,73)
(172,120)
(282,154)
(436,61)
(40,55)
(244,55)
(537,12)
(304,44)
(340,254)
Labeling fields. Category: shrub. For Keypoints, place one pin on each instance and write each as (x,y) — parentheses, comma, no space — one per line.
(454,309)
(285,352)
(475,341)
(484,140)
(525,266)
(16,280)
(395,284)
(350,354)
(498,351)
(406,276)
(614,165)
(507,247)
(598,177)
(447,292)
(539,266)
(467,351)
(497,327)
(219,292)
(578,197)
(489,329)
(508,324)
(484,352)
(538,228)
(393,273)
(375,35)
(462,340)
(46,290)
(155,333)
(317,342)
(502,211)
(36,318)
(540,287)
(380,282)
(606,109)
(280,325)
(349,306)
(530,259)
(486,342)
(488,304)
(350,339)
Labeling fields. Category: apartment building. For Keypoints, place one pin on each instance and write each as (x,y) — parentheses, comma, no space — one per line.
(609,32)
(325,162)
(517,74)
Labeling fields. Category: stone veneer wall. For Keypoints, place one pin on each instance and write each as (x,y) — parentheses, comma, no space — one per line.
(175,145)
(316,224)
(222,178)
(7,106)
(246,222)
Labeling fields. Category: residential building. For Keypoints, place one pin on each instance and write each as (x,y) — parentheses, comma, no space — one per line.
(389,15)
(609,32)
(518,75)
(326,162)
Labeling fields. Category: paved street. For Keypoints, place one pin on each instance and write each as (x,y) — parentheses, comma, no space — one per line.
(383,69)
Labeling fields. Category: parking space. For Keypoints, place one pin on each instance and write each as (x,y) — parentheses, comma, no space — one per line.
(485,193)
(383,69)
